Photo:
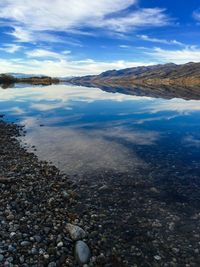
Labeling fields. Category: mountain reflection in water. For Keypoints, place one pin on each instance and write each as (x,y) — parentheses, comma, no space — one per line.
(145,150)
(86,129)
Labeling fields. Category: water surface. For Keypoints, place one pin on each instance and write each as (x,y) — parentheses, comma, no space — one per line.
(85,129)
(145,150)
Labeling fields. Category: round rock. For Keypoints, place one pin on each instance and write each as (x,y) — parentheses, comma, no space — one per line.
(76,232)
(82,253)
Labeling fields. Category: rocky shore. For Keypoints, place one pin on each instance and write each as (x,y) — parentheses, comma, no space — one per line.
(38,226)
(149,218)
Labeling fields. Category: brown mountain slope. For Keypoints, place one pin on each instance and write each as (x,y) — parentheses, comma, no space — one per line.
(168,74)
(167,81)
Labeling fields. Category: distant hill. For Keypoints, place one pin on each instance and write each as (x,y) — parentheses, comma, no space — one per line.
(167,74)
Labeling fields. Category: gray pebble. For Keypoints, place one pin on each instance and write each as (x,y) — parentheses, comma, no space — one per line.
(82,252)
(25,243)
(1,257)
(37,238)
(76,232)
(52,264)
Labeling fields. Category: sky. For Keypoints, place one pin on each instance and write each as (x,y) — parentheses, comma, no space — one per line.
(64,38)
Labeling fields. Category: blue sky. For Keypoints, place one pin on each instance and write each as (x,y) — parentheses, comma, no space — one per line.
(79,37)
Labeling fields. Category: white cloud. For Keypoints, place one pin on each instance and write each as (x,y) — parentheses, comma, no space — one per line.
(124,46)
(26,17)
(196,15)
(42,53)
(24,35)
(146,17)
(61,14)
(10,48)
(161,41)
(188,54)
(64,67)
(66,52)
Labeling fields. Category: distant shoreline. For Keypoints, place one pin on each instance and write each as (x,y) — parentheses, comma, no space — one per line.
(44,80)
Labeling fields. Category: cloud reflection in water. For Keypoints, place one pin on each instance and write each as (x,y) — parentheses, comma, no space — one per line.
(87,129)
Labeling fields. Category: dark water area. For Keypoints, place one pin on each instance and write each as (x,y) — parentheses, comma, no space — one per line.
(135,161)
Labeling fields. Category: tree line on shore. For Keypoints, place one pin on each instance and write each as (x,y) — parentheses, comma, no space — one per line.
(44,80)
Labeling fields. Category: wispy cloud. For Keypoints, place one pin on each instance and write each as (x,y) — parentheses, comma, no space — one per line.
(10,48)
(42,53)
(177,56)
(124,46)
(25,35)
(196,14)
(71,16)
(21,34)
(145,17)
(161,41)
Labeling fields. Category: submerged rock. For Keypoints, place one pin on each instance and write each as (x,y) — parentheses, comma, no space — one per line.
(82,253)
(1,257)
(104,188)
(52,264)
(32,209)
(25,243)
(76,232)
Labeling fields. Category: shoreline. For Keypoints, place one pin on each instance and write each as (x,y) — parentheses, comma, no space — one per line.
(36,206)
(148,218)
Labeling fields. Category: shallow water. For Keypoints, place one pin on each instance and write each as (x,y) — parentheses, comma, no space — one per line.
(83,130)
(146,150)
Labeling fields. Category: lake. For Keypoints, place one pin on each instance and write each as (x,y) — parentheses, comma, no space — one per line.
(135,162)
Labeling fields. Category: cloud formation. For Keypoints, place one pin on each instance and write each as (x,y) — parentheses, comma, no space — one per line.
(43,53)
(157,40)
(196,14)
(10,48)
(27,17)
(61,66)
(65,37)
(179,56)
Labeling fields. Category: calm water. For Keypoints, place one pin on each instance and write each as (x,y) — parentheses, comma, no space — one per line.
(145,150)
(83,130)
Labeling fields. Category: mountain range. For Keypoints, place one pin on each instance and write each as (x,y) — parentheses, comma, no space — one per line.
(167,74)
